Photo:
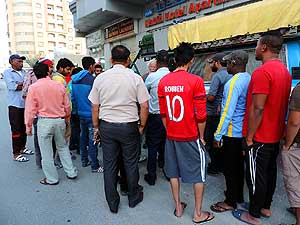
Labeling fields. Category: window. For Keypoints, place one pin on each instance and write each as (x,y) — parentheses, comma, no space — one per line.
(25,43)
(41,53)
(38,5)
(22,4)
(61,36)
(38,15)
(51,43)
(60,27)
(60,18)
(50,7)
(25,52)
(41,44)
(40,34)
(39,25)
(22,14)
(51,16)
(59,9)
(70,30)
(62,44)
(70,46)
(51,26)
(50,35)
(70,38)
(23,24)
(23,33)
(77,46)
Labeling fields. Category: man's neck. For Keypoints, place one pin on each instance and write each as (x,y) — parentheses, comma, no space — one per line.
(16,69)
(270,57)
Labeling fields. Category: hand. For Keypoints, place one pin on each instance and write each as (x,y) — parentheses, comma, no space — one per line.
(141,129)
(29,131)
(96,136)
(19,86)
(217,144)
(285,148)
(249,142)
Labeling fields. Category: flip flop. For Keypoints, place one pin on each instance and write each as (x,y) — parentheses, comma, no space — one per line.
(26,151)
(183,204)
(238,213)
(205,220)
(246,206)
(21,158)
(44,182)
(218,208)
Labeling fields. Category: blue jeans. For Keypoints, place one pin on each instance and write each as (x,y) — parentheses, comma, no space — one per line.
(86,140)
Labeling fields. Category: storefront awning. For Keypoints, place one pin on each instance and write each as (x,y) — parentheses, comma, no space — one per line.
(250,19)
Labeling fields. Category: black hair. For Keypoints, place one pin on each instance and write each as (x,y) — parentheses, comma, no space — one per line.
(40,70)
(120,53)
(87,61)
(183,53)
(223,63)
(64,63)
(98,66)
(76,70)
(273,40)
(162,57)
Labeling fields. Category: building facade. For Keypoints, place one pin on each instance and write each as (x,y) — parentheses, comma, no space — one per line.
(147,26)
(38,27)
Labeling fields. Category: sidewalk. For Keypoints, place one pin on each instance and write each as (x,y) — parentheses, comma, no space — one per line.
(23,201)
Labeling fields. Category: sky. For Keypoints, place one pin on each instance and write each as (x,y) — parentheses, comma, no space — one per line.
(3,38)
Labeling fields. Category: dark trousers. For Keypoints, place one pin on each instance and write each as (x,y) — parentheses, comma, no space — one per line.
(214,154)
(37,151)
(18,129)
(261,174)
(116,136)
(75,133)
(233,170)
(155,139)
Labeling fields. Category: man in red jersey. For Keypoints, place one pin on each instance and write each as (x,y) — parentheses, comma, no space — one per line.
(182,102)
(266,109)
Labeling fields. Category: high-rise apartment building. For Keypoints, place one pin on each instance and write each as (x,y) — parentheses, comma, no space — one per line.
(39,27)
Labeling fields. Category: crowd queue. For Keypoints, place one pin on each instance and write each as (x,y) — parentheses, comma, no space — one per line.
(240,122)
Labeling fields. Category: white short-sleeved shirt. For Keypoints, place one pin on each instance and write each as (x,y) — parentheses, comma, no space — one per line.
(117,91)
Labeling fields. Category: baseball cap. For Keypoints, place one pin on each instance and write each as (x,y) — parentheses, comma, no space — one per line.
(16,56)
(162,56)
(238,57)
(218,57)
(46,61)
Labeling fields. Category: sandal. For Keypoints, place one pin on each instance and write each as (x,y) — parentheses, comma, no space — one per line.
(21,158)
(45,182)
(183,204)
(26,151)
(219,209)
(209,217)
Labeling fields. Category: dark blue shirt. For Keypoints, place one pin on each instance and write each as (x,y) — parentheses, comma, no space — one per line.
(216,88)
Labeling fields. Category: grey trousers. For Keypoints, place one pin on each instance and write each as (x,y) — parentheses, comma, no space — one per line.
(116,136)
(47,130)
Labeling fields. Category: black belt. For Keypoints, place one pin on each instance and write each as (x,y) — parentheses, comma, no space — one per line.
(113,123)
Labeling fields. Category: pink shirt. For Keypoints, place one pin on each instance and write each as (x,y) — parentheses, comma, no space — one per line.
(46,98)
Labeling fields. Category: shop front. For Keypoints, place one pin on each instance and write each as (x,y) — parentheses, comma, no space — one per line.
(240,28)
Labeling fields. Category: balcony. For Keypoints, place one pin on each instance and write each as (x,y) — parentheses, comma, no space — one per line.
(90,15)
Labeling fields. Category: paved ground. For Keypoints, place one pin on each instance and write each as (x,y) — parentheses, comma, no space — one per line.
(23,201)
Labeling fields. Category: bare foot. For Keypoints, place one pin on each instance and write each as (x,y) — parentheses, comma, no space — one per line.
(250,219)
(204,216)
(266,212)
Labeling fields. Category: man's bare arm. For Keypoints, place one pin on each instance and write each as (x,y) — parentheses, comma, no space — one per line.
(255,115)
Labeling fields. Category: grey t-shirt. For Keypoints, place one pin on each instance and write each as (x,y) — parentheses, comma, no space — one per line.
(216,88)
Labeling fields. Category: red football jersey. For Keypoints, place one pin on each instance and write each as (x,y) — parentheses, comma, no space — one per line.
(182,100)
(273,80)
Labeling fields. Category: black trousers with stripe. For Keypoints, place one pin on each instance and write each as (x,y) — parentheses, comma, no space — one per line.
(18,129)
(261,174)
(233,170)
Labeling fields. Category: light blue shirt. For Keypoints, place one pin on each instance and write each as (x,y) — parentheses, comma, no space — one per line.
(152,84)
(12,78)
(233,106)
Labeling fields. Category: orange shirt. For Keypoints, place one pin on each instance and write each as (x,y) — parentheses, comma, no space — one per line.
(46,98)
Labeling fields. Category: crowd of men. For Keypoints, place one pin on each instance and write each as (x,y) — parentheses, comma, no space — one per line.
(240,122)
